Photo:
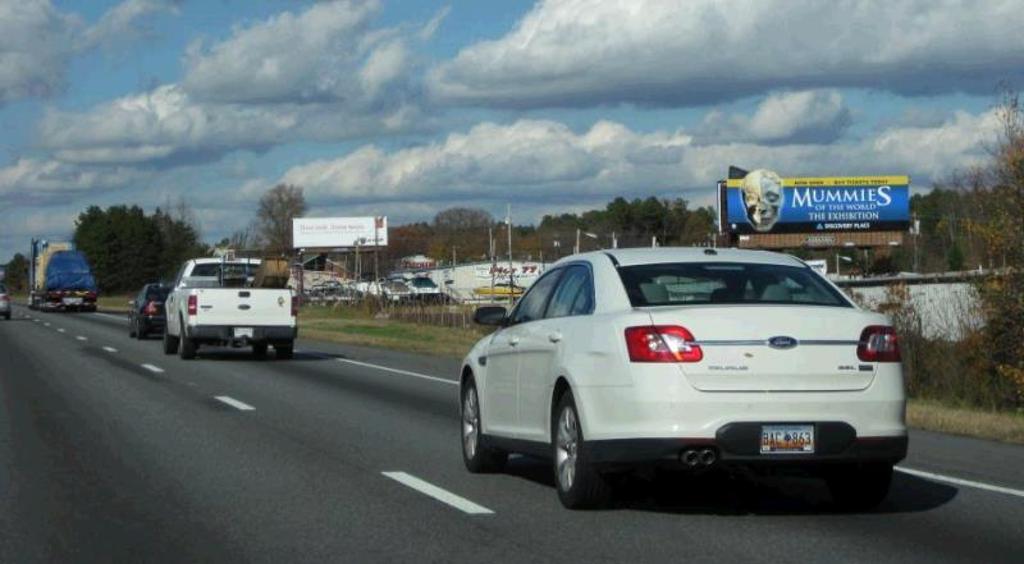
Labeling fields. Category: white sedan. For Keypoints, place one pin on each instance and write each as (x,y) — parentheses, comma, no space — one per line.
(693,359)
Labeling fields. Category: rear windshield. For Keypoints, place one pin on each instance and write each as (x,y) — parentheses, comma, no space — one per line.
(157,293)
(212,269)
(726,283)
(423,283)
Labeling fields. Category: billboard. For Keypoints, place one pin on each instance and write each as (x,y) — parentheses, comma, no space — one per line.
(764,202)
(335,232)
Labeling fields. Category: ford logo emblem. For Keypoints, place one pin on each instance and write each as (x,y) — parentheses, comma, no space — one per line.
(782,342)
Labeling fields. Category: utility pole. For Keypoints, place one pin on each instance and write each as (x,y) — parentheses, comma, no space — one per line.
(916,232)
(576,250)
(508,223)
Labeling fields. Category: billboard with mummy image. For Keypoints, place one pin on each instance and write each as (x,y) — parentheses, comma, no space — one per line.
(761,201)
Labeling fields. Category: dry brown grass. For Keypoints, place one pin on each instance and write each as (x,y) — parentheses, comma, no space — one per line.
(995,425)
(113,304)
(349,327)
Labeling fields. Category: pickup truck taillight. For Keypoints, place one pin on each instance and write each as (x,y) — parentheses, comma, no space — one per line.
(662,343)
(295,306)
(152,309)
(193,304)
(878,343)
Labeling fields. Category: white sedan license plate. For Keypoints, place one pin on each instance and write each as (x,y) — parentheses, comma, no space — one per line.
(243,332)
(72,301)
(784,439)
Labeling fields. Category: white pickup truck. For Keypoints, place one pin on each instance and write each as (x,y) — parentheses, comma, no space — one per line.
(213,303)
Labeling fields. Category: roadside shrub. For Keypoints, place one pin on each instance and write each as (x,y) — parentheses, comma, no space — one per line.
(953,367)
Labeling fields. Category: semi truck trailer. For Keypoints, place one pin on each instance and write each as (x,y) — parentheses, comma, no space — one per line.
(60,278)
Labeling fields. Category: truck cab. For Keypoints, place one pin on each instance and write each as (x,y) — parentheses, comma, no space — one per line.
(216,302)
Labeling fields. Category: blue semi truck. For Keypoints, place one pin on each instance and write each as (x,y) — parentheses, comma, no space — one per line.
(60,278)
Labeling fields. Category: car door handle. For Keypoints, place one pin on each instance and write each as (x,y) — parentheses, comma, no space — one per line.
(555,337)
(513,341)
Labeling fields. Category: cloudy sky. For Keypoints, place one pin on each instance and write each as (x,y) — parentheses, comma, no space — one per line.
(381,107)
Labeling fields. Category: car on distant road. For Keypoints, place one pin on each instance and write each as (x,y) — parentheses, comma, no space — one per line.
(5,303)
(692,360)
(146,311)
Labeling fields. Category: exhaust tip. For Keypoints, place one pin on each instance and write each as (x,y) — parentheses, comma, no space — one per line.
(690,457)
(708,457)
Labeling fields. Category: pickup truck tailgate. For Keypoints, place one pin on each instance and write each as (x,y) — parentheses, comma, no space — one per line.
(243,307)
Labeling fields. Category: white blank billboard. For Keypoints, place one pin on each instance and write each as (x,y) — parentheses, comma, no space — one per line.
(331,232)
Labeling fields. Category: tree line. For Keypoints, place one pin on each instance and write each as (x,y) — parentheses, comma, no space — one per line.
(473,234)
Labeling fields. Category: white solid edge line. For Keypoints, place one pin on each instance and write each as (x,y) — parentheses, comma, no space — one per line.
(397,371)
(152,368)
(234,403)
(119,318)
(81,338)
(444,496)
(110,349)
(960,481)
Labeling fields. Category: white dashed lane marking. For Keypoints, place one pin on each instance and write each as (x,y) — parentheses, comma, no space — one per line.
(442,495)
(241,406)
(154,369)
(961,482)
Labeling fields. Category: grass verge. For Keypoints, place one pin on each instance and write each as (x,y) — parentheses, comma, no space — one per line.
(346,326)
(995,425)
(117,303)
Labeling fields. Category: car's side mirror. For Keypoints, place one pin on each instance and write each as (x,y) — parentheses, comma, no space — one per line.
(490,315)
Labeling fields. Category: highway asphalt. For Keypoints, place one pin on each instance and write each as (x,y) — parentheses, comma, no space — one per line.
(111,451)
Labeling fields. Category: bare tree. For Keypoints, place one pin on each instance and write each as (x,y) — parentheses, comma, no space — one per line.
(458,219)
(278,207)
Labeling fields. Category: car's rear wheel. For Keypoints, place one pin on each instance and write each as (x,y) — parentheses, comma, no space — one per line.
(579,484)
(132,332)
(186,345)
(259,350)
(478,457)
(141,330)
(170,343)
(859,487)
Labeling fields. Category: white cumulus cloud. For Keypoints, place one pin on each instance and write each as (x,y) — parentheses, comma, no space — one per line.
(811,116)
(38,41)
(326,53)
(666,52)
(535,161)
(34,180)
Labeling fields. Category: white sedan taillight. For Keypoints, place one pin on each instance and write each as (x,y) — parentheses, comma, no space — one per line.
(878,343)
(662,343)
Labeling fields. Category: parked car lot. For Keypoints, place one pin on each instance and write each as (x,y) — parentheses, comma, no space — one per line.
(690,360)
